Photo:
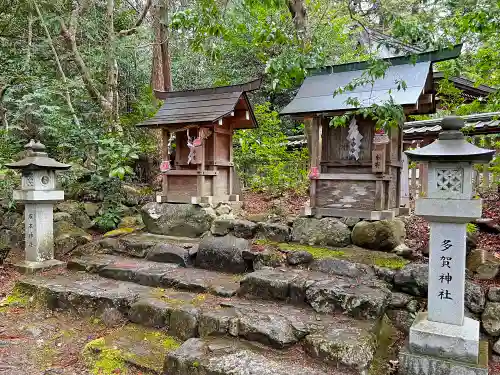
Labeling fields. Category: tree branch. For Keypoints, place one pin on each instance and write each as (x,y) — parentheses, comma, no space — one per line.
(30,43)
(58,64)
(82,67)
(139,21)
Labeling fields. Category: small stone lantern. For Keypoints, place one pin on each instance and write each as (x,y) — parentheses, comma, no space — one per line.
(38,193)
(443,338)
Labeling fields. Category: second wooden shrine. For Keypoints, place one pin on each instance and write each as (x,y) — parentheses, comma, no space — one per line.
(203,122)
(355,170)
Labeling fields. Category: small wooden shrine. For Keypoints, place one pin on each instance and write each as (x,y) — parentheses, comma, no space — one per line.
(203,122)
(355,170)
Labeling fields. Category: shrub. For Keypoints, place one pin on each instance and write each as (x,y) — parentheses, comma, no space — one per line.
(262,159)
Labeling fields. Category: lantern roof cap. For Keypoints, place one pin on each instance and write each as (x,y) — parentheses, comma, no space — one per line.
(451,146)
(36,158)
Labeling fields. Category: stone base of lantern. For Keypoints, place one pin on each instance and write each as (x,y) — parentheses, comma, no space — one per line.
(444,340)
(320,212)
(419,364)
(28,268)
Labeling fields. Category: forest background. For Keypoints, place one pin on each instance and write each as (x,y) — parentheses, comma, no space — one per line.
(79,75)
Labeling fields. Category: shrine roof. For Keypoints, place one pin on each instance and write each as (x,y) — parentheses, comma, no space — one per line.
(203,106)
(316,93)
(481,123)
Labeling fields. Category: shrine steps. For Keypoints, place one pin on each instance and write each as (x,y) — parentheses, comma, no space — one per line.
(314,323)
(361,297)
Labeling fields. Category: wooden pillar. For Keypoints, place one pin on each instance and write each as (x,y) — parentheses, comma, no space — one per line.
(315,156)
(423,172)
(214,158)
(165,135)
(486,166)
(231,165)
(201,167)
(405,179)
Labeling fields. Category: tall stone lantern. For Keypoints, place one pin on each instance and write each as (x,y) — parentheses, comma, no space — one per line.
(38,193)
(443,341)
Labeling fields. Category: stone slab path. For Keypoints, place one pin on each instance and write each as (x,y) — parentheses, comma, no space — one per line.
(158,274)
(335,339)
(270,321)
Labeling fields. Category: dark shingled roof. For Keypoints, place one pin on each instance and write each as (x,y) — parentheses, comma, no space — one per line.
(316,93)
(481,123)
(201,106)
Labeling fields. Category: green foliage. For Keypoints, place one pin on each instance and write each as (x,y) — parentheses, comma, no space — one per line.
(472,228)
(116,156)
(262,159)
(108,219)
(386,115)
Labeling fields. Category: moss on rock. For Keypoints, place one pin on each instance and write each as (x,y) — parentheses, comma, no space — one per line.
(119,232)
(352,253)
(130,345)
(17,298)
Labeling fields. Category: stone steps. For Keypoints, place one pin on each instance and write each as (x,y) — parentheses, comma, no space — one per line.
(334,339)
(223,356)
(358,297)
(157,274)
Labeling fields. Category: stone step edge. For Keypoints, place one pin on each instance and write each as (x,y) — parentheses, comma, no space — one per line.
(228,287)
(186,319)
(225,356)
(287,285)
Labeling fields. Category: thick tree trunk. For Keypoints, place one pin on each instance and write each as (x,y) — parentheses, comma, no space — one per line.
(157,77)
(165,50)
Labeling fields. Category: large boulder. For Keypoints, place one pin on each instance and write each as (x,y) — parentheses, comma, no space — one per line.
(77,212)
(244,228)
(484,265)
(68,236)
(131,222)
(491,318)
(413,279)
(273,231)
(185,220)
(169,253)
(475,298)
(326,232)
(91,209)
(222,226)
(132,196)
(383,235)
(222,254)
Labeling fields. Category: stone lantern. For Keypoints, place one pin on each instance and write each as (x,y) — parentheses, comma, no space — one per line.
(38,193)
(443,341)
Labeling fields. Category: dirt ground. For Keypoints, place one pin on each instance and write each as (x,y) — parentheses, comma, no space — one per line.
(37,341)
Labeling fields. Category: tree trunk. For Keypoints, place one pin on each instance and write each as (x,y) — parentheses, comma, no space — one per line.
(27,63)
(299,15)
(157,77)
(3,110)
(111,110)
(297,9)
(165,50)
